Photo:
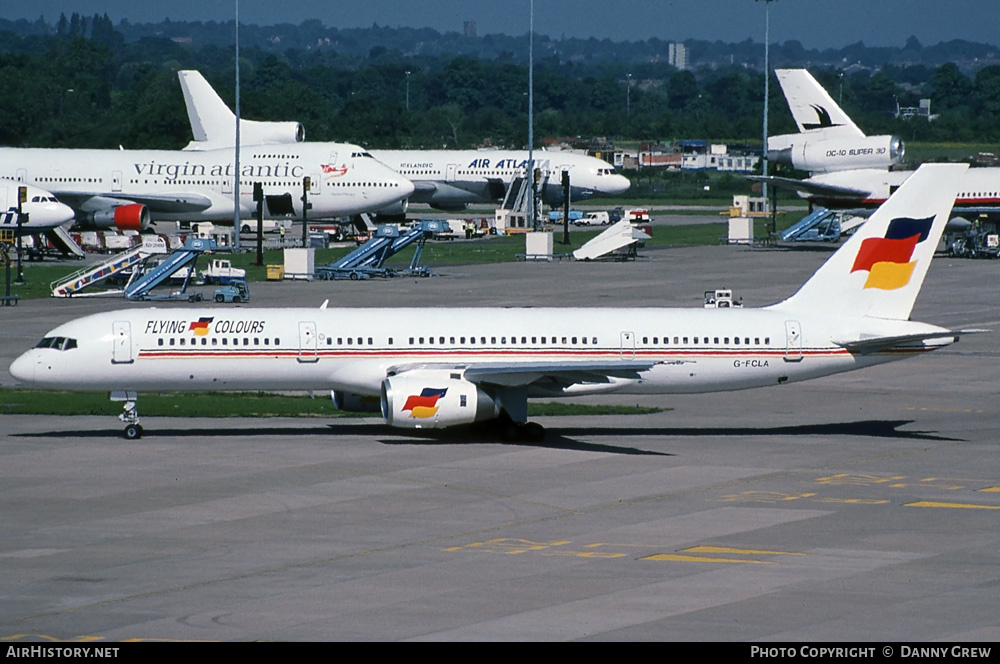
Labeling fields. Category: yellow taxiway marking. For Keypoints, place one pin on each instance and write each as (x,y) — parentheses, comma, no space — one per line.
(745,552)
(857,480)
(675,557)
(765,496)
(855,501)
(991,489)
(961,506)
(507,545)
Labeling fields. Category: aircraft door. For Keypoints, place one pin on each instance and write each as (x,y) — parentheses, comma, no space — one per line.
(22,175)
(451,172)
(628,345)
(793,341)
(121,350)
(116,181)
(308,342)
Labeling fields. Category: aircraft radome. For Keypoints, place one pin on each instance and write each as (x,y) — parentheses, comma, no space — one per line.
(438,367)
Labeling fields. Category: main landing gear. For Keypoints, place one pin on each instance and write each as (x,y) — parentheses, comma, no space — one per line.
(130,414)
(511,431)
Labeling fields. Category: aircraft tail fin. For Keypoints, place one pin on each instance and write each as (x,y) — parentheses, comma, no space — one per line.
(209,116)
(814,110)
(878,272)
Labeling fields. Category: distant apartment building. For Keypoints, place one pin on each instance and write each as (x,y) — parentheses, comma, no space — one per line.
(677,55)
(697,155)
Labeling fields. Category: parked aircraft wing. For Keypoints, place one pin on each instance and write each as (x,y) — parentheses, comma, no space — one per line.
(563,373)
(813,188)
(166,203)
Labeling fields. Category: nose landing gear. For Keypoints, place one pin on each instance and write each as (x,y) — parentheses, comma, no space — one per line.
(130,414)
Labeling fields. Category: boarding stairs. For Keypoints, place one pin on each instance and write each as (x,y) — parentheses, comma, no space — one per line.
(819,225)
(369,259)
(64,242)
(93,274)
(140,285)
(619,241)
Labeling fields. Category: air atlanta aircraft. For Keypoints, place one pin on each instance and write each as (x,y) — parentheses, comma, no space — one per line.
(128,189)
(438,367)
(828,140)
(443,179)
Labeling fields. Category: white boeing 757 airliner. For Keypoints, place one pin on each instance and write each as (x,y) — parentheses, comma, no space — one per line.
(437,367)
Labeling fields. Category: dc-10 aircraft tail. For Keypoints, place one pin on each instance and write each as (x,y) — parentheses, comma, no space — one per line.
(438,367)
(828,140)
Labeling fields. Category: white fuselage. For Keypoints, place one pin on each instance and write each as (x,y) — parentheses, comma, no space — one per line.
(980,187)
(198,186)
(688,350)
(452,178)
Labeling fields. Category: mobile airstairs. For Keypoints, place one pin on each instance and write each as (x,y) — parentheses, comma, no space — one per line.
(369,259)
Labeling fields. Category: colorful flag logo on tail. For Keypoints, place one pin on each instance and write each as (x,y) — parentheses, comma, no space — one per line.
(200,326)
(887,259)
(424,405)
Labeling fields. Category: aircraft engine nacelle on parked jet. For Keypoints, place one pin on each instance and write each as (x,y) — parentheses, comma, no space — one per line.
(825,156)
(431,399)
(134,217)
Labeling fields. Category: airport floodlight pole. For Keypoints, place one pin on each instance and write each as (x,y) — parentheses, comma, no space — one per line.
(767,77)
(628,95)
(407,92)
(236,174)
(530,173)
(22,198)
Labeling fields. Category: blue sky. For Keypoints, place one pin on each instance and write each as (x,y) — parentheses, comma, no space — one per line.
(815,23)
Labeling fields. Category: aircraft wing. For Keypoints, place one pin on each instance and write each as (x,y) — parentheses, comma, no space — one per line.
(811,188)
(166,203)
(869,346)
(548,374)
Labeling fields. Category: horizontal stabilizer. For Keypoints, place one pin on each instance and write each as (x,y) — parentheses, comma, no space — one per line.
(873,345)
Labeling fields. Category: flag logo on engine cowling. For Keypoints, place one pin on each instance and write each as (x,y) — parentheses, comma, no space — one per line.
(887,259)
(424,405)
(200,326)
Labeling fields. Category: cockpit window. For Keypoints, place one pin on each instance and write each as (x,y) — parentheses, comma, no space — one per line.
(58,343)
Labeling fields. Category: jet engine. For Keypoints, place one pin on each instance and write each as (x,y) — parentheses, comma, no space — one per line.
(827,156)
(349,402)
(433,399)
(134,217)
(254,132)
(394,211)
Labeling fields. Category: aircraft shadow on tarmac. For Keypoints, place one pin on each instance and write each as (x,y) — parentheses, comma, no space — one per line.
(557,438)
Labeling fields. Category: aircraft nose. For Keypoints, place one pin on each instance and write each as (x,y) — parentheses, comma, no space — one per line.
(62,212)
(620,184)
(23,368)
(405,186)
